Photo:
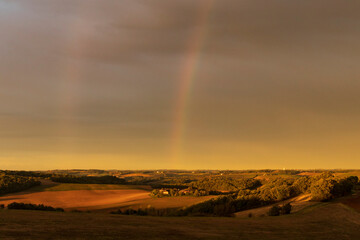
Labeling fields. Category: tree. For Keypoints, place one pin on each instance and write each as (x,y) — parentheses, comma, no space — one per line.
(302,185)
(321,190)
(196,193)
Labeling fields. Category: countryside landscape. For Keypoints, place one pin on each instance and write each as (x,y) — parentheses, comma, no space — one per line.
(177,204)
(179,119)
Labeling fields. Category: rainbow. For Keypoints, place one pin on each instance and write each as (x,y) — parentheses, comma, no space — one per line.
(187,79)
(72,75)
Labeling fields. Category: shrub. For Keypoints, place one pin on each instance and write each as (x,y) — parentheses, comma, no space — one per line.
(286,209)
(116,212)
(274,211)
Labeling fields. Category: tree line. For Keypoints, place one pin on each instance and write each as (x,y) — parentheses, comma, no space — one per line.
(14,183)
(216,184)
(175,192)
(207,186)
(88,179)
(30,206)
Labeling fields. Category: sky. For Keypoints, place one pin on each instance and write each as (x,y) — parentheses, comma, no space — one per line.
(180,84)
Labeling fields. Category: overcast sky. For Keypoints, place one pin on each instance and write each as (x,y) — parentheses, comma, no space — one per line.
(95,84)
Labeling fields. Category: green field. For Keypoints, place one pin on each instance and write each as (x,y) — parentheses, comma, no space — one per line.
(324,221)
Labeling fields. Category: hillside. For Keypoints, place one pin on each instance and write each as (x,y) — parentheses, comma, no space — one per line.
(99,197)
(298,203)
(326,221)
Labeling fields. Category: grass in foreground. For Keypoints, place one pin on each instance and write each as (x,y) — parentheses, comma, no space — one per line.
(329,221)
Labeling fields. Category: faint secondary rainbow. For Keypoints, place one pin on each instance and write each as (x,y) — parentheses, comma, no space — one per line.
(187,78)
(72,76)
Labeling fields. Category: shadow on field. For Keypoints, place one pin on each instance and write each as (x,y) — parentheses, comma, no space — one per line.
(331,221)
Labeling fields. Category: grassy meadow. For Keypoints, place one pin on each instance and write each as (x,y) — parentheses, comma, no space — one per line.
(324,221)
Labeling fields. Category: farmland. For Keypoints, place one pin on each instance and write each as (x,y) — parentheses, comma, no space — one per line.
(324,221)
(96,197)
(234,205)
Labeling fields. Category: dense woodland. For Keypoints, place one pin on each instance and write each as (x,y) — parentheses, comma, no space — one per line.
(322,188)
(208,186)
(14,183)
(225,184)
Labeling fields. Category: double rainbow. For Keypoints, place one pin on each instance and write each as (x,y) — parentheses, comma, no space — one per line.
(74,75)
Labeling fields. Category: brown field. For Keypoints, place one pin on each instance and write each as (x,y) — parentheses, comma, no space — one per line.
(166,202)
(268,177)
(310,174)
(348,174)
(328,221)
(136,175)
(97,197)
(84,199)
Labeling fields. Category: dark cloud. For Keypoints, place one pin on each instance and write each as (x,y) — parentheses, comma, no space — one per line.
(274,78)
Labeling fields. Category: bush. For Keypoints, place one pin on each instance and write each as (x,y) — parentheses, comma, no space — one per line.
(116,212)
(274,211)
(286,209)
